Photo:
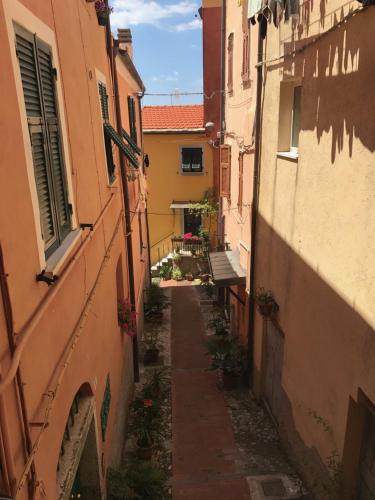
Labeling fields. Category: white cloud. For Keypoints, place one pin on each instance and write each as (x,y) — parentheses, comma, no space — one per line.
(174,77)
(135,12)
(192,25)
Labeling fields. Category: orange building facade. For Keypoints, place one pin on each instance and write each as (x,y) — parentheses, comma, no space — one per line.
(73,238)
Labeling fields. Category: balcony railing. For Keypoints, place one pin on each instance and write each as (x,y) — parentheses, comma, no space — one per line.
(190,246)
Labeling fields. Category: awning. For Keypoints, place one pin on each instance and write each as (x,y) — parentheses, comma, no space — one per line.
(226,269)
(181,204)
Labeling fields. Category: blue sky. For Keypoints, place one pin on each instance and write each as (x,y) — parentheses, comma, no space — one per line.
(167,42)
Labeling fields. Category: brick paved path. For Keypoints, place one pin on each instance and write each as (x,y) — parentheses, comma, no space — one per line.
(205,456)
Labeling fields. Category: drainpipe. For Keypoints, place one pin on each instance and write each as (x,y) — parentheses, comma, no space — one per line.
(129,243)
(222,107)
(255,205)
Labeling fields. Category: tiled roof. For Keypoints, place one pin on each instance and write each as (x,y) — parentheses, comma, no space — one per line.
(188,117)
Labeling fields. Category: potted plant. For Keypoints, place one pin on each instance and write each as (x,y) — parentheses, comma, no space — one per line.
(102,11)
(177,258)
(127,318)
(265,302)
(205,277)
(156,385)
(155,303)
(219,324)
(228,357)
(165,272)
(151,341)
(177,274)
(144,480)
(145,424)
(189,277)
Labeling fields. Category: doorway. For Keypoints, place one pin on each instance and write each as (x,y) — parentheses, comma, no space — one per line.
(192,222)
(367,464)
(274,357)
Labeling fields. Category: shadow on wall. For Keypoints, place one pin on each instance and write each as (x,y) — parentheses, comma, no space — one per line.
(326,358)
(338,77)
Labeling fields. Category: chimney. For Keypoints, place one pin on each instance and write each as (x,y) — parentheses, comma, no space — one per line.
(125,40)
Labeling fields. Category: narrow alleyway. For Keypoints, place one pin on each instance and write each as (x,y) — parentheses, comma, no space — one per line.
(206,460)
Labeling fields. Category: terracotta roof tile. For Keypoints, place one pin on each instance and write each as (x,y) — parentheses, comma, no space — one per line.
(172,117)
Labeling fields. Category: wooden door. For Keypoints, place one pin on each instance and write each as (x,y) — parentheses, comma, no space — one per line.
(274,351)
(367,466)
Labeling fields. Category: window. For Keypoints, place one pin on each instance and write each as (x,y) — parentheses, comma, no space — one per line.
(289,119)
(240,183)
(246,57)
(132,120)
(296,117)
(140,232)
(246,43)
(192,160)
(110,135)
(38,82)
(225,166)
(230,63)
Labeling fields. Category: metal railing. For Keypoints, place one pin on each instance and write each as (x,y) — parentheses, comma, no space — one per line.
(190,246)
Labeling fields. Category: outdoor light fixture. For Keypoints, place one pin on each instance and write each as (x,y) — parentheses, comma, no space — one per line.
(209,126)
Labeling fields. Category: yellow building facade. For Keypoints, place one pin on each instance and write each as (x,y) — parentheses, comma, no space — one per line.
(180,172)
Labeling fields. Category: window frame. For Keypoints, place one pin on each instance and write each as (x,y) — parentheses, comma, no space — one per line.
(192,172)
(230,62)
(287,119)
(111,166)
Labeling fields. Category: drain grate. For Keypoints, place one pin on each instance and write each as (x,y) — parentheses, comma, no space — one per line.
(273,488)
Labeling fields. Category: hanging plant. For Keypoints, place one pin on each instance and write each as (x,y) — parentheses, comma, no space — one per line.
(102,11)
(127,318)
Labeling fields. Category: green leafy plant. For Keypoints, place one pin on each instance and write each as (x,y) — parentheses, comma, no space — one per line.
(208,287)
(204,233)
(227,355)
(151,337)
(155,302)
(139,481)
(219,324)
(177,274)
(156,385)
(208,205)
(165,272)
(263,296)
(146,423)
(177,258)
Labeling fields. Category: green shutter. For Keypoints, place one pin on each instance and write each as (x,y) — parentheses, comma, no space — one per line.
(132,119)
(104,412)
(47,79)
(131,142)
(35,61)
(116,138)
(104,101)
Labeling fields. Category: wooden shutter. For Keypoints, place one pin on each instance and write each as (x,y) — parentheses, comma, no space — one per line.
(33,103)
(240,183)
(104,101)
(246,57)
(47,79)
(225,167)
(230,62)
(132,119)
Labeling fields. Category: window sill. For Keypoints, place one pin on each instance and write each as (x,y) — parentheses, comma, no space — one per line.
(288,155)
(191,173)
(57,259)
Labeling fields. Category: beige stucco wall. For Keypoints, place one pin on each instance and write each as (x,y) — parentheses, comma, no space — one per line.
(316,225)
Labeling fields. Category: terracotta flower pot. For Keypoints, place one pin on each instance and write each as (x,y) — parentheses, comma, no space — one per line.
(231,380)
(102,19)
(266,309)
(151,356)
(144,452)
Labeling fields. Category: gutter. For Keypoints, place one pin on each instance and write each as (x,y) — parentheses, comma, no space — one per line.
(254,208)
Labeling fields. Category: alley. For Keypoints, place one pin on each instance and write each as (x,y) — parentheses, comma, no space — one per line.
(205,456)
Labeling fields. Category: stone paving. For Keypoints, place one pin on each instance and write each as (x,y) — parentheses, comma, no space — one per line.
(220,438)
(205,456)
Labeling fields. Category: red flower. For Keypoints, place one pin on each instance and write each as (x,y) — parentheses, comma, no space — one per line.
(147,403)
